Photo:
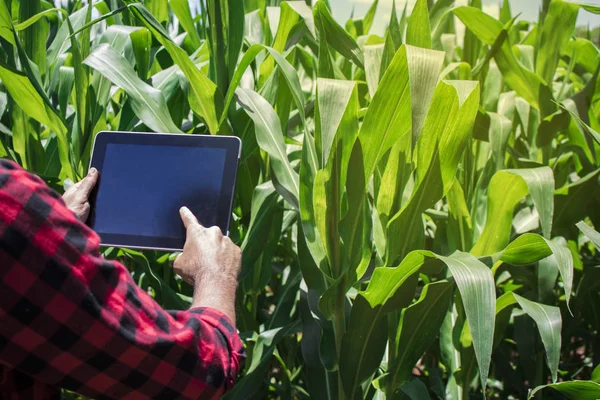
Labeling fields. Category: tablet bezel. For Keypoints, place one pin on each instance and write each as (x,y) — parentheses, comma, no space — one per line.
(231,144)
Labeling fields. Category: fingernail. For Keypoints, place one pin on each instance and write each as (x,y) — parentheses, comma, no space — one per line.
(92,172)
(184,210)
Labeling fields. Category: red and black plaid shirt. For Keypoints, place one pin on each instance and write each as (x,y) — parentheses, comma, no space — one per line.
(71,319)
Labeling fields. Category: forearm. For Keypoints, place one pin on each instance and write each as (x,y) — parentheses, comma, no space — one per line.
(218,294)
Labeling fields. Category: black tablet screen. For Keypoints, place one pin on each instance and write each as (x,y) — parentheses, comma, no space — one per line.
(149,189)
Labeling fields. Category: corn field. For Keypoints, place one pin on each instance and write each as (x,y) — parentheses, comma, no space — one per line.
(416,210)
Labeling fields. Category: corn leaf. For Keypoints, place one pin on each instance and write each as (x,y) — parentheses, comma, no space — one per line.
(524,250)
(505,192)
(270,139)
(415,389)
(576,390)
(549,324)
(526,83)
(593,235)
(181,8)
(335,36)
(558,27)
(419,326)
(291,13)
(289,73)
(418,32)
(444,136)
(147,102)
(477,289)
(205,98)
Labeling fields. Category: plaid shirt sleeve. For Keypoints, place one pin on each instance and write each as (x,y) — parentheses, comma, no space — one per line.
(71,319)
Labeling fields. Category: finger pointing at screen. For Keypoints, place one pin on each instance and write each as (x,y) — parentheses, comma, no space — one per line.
(211,263)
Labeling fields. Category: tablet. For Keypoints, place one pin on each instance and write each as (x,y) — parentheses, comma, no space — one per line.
(145,178)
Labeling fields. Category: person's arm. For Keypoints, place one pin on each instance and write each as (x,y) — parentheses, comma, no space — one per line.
(72,319)
(214,286)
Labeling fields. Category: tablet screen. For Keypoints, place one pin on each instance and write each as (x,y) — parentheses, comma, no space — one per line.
(146,178)
(150,196)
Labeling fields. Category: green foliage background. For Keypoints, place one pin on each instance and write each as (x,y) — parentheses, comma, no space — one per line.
(416,216)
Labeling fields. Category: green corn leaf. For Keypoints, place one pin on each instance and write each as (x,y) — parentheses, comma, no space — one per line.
(561,260)
(526,83)
(388,119)
(418,32)
(264,201)
(547,319)
(460,225)
(35,106)
(558,27)
(419,326)
(117,37)
(373,57)
(308,173)
(573,202)
(62,40)
(6,25)
(106,15)
(500,130)
(35,18)
(205,99)
(390,115)
(261,356)
(439,12)
(396,176)
(159,9)
(181,8)
(396,32)
(505,12)
(365,339)
(291,13)
(67,80)
(472,44)
(321,382)
(540,182)
(549,324)
(444,137)
(226,25)
(78,135)
(569,107)
(336,118)
(575,390)
(33,37)
(155,282)
(270,139)
(505,192)
(335,36)
(147,103)
(524,250)
(288,71)
(392,289)
(478,292)
(593,235)
(415,389)
(369,16)
(596,374)
(584,53)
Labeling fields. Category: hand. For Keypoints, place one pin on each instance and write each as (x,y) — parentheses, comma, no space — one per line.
(77,196)
(211,263)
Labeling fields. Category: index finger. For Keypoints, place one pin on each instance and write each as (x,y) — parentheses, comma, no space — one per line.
(188,218)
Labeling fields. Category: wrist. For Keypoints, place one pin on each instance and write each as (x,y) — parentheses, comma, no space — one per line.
(218,294)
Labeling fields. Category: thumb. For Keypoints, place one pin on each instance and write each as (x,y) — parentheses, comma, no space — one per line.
(88,183)
(188,218)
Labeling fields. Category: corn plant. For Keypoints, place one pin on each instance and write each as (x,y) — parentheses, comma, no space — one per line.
(415,210)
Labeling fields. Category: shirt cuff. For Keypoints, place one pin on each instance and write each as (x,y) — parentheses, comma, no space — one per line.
(235,346)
